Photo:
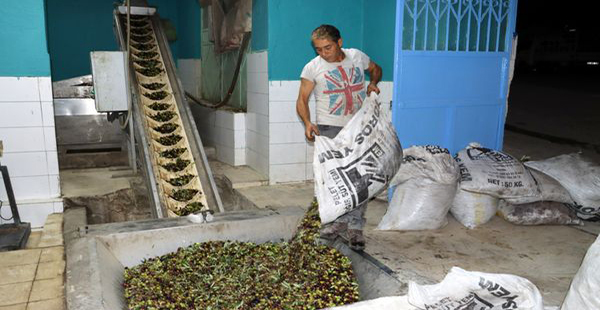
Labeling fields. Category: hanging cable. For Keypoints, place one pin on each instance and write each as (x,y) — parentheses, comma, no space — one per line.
(208,104)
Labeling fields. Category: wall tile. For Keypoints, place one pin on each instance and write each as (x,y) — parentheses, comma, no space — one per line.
(283,112)
(310,149)
(239,156)
(257,143)
(258,162)
(284,90)
(252,140)
(15,89)
(262,146)
(257,62)
(239,121)
(36,213)
(25,164)
(225,154)
(50,138)
(258,123)
(224,119)
(34,187)
(289,153)
(287,173)
(6,213)
(54,185)
(239,139)
(45,87)
(52,162)
(48,113)
(33,213)
(225,137)
(387,91)
(258,82)
(251,119)
(203,116)
(309,172)
(258,103)
(17,140)
(286,133)
(20,114)
(58,207)
(312,106)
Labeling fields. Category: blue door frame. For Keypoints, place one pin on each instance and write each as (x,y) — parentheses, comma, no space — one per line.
(451,66)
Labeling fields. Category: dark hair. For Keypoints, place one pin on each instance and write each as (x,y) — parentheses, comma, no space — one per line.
(326,32)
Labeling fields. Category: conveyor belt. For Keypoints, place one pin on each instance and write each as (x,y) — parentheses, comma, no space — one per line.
(178,172)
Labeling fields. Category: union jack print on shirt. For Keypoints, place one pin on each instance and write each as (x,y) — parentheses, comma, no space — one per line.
(345,87)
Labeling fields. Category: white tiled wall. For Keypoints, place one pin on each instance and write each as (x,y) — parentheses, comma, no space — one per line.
(258,130)
(225,130)
(27,130)
(290,154)
(190,73)
(33,211)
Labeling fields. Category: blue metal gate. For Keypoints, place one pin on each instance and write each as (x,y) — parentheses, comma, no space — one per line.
(451,71)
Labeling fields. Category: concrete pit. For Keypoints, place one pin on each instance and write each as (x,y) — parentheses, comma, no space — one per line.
(98,254)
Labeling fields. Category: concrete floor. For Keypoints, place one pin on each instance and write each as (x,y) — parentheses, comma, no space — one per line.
(549,256)
(93,182)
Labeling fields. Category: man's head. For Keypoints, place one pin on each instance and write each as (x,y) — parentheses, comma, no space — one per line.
(328,43)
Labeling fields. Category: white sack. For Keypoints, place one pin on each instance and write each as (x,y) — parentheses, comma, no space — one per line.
(550,190)
(579,176)
(494,173)
(473,209)
(585,288)
(384,303)
(538,213)
(461,290)
(358,163)
(425,187)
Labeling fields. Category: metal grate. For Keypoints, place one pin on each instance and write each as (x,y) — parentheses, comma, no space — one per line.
(455,25)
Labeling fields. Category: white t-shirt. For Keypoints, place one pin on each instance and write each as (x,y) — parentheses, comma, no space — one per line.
(339,86)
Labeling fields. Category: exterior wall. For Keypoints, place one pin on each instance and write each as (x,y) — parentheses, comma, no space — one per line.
(27,113)
(290,23)
(23,37)
(77,27)
(189,28)
(27,129)
(379,34)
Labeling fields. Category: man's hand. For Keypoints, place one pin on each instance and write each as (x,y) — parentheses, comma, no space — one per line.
(375,73)
(311,131)
(372,87)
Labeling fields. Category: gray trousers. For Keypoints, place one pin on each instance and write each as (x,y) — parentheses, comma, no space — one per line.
(355,219)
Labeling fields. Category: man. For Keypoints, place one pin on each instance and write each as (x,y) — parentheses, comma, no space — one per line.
(337,78)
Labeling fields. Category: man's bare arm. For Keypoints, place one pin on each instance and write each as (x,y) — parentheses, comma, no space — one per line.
(375,73)
(306,87)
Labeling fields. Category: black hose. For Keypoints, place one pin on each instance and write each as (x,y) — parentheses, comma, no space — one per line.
(212,105)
